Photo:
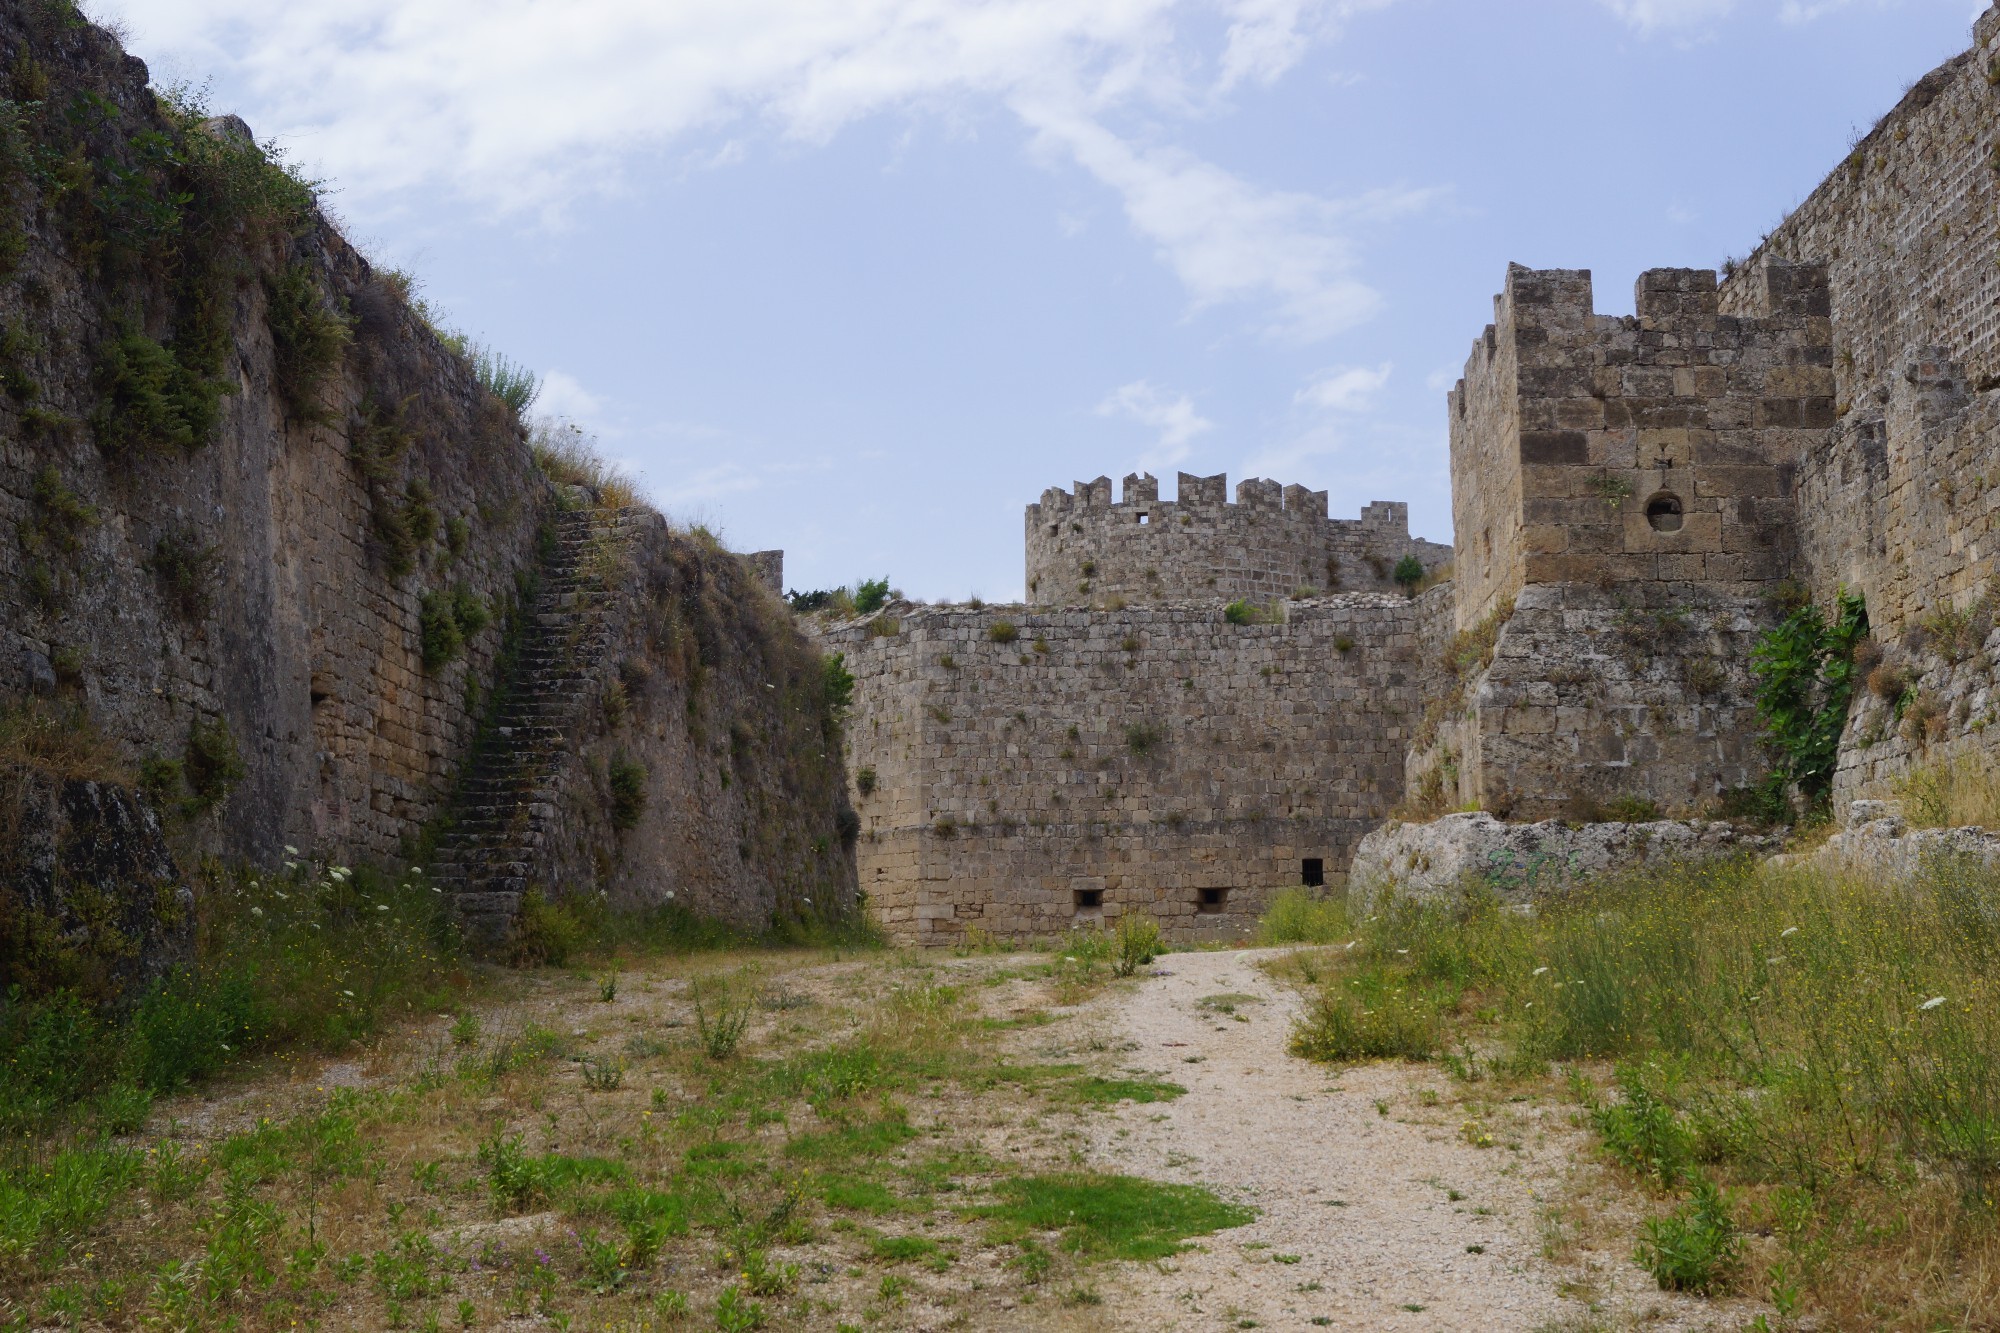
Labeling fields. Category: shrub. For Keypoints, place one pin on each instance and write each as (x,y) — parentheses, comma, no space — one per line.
(864,781)
(446,620)
(1142,738)
(437,629)
(1003,631)
(1408,574)
(1298,916)
(1240,612)
(59,516)
(308,336)
(1632,809)
(871,595)
(838,682)
(185,570)
(545,931)
(1696,1248)
(1374,1016)
(1138,943)
(1643,1133)
(509,381)
(212,767)
(152,401)
(1805,679)
(628,792)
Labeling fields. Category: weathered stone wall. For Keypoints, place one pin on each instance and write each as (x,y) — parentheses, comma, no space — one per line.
(1088,763)
(1906,229)
(1596,697)
(296,636)
(1651,459)
(708,686)
(1272,543)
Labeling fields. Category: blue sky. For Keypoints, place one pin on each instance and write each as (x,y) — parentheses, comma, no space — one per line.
(860,279)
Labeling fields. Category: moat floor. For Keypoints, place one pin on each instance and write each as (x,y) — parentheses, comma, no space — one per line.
(850,1165)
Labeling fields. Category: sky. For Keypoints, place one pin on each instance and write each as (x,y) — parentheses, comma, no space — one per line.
(861,278)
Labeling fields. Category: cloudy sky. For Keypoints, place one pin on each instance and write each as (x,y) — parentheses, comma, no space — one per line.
(859,278)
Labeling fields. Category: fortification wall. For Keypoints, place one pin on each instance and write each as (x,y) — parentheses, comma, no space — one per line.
(1652,461)
(1273,542)
(1092,763)
(281,618)
(706,685)
(1906,230)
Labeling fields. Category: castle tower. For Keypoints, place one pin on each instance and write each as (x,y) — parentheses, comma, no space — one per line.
(1273,542)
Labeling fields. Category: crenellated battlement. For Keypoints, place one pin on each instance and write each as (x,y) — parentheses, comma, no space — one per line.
(1272,541)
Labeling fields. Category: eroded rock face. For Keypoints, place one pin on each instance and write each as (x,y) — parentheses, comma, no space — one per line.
(90,896)
(1519,861)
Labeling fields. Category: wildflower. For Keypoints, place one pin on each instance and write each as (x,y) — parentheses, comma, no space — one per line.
(1402,951)
(1932,1003)
(256,911)
(348,993)
(291,850)
(381,907)
(1775,958)
(1538,971)
(1788,930)
(282,894)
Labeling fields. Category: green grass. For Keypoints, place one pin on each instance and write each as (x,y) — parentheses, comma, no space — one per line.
(1803,1037)
(1111,1091)
(1114,1217)
(1299,916)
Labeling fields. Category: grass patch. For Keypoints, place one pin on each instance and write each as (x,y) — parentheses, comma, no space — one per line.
(1113,1217)
(1300,916)
(1110,1091)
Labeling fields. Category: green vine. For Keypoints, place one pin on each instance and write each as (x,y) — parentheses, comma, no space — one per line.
(1805,680)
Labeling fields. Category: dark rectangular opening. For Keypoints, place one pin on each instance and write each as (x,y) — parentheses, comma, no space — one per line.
(1089,900)
(1211,900)
(1312,871)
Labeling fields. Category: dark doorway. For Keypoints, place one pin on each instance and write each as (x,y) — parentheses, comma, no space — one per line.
(1312,871)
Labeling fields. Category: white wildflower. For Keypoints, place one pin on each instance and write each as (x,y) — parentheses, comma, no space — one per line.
(381,907)
(256,911)
(348,993)
(291,850)
(1788,930)
(1538,971)
(1932,1003)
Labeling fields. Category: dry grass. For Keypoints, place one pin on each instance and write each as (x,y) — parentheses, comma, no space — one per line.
(60,739)
(568,456)
(1950,794)
(853,1162)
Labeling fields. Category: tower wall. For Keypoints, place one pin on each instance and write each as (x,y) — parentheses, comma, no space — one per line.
(1273,542)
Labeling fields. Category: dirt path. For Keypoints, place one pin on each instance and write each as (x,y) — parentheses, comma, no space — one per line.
(1376,1211)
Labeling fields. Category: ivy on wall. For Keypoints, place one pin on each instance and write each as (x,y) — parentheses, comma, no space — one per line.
(1805,680)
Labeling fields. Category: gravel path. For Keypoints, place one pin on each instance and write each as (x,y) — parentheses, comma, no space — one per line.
(1368,1220)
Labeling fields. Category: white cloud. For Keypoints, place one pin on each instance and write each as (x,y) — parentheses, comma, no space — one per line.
(1351,390)
(526,107)
(1442,378)
(563,395)
(1651,16)
(1172,415)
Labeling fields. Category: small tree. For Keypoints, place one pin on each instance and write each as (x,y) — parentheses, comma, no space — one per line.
(871,595)
(1408,574)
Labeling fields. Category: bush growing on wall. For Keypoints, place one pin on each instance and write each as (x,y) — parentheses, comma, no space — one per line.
(1805,679)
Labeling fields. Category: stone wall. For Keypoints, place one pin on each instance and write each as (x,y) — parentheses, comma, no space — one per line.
(1906,230)
(1275,541)
(708,687)
(1623,488)
(1026,770)
(289,627)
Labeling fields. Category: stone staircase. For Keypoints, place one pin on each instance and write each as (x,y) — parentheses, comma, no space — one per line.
(506,805)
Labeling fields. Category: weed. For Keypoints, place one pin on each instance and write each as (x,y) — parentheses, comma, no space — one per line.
(627,780)
(602,1074)
(719,1021)
(870,596)
(1138,943)
(1408,574)
(213,766)
(509,381)
(1142,738)
(1003,631)
(446,621)
(308,335)
(1696,1248)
